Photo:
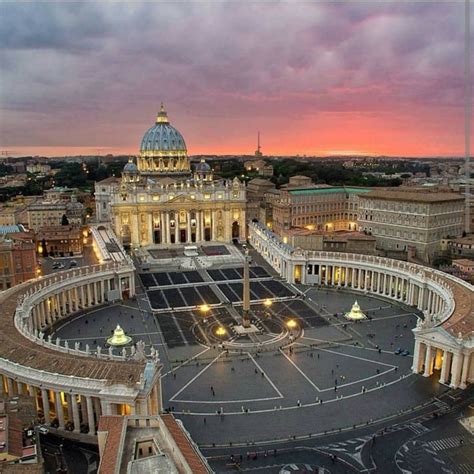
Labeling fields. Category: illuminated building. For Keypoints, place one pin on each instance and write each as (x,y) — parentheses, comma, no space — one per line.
(161,200)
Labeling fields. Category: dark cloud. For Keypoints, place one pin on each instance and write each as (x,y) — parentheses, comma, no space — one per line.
(106,65)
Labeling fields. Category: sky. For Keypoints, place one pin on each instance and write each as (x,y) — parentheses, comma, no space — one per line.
(314,77)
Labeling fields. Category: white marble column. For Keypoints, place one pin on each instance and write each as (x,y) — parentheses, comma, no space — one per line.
(428,361)
(45,400)
(75,414)
(465,371)
(90,415)
(59,410)
(188,227)
(456,368)
(444,366)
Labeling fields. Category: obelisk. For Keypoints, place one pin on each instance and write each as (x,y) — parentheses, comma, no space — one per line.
(246,289)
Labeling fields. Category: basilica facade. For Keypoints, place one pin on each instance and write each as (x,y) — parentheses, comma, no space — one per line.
(161,200)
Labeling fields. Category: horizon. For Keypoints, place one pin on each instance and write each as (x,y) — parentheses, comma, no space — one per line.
(346,78)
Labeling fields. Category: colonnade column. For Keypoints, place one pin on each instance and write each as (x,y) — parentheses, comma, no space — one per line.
(444,367)
(416,357)
(90,415)
(465,371)
(456,370)
(427,371)
(59,410)
(75,414)
(45,400)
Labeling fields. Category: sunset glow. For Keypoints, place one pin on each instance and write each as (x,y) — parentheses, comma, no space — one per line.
(316,78)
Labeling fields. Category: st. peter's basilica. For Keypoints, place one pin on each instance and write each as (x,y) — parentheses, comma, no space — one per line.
(160,199)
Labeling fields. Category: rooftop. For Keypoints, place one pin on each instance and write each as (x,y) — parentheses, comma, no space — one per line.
(18,349)
(327,190)
(425,196)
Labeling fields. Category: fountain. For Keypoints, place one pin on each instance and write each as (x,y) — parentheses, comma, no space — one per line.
(119,338)
(355,314)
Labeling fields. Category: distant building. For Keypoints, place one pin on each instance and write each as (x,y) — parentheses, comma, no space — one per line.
(260,166)
(316,207)
(50,211)
(17,259)
(462,247)
(465,265)
(38,168)
(339,241)
(256,190)
(147,444)
(59,240)
(411,224)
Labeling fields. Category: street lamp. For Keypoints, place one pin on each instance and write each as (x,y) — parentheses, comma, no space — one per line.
(292,324)
(221,331)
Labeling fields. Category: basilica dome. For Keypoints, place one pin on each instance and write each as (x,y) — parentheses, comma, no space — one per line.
(163,150)
(162,137)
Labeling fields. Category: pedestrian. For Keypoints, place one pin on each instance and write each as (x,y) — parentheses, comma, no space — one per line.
(174,375)
(256,371)
(205,421)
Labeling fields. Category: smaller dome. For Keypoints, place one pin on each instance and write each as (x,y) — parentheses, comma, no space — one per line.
(130,167)
(202,167)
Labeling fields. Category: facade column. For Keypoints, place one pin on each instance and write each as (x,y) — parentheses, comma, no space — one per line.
(428,361)
(456,370)
(203,233)
(75,414)
(188,227)
(151,227)
(444,366)
(168,227)
(90,416)
(465,371)
(59,410)
(45,400)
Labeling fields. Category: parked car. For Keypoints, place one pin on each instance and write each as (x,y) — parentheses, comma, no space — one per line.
(398,351)
(72,264)
(43,430)
(405,353)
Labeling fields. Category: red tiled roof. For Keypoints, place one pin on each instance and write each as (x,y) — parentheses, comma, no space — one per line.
(184,444)
(113,425)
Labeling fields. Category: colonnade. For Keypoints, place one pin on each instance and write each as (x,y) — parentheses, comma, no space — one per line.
(70,399)
(454,364)
(185,226)
(442,336)
(82,295)
(73,411)
(375,281)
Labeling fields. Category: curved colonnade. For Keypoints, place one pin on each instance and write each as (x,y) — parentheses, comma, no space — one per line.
(73,386)
(444,339)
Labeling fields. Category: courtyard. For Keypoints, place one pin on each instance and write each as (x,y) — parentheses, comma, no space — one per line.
(334,375)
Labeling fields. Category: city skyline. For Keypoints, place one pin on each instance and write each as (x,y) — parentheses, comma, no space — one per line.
(372,78)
